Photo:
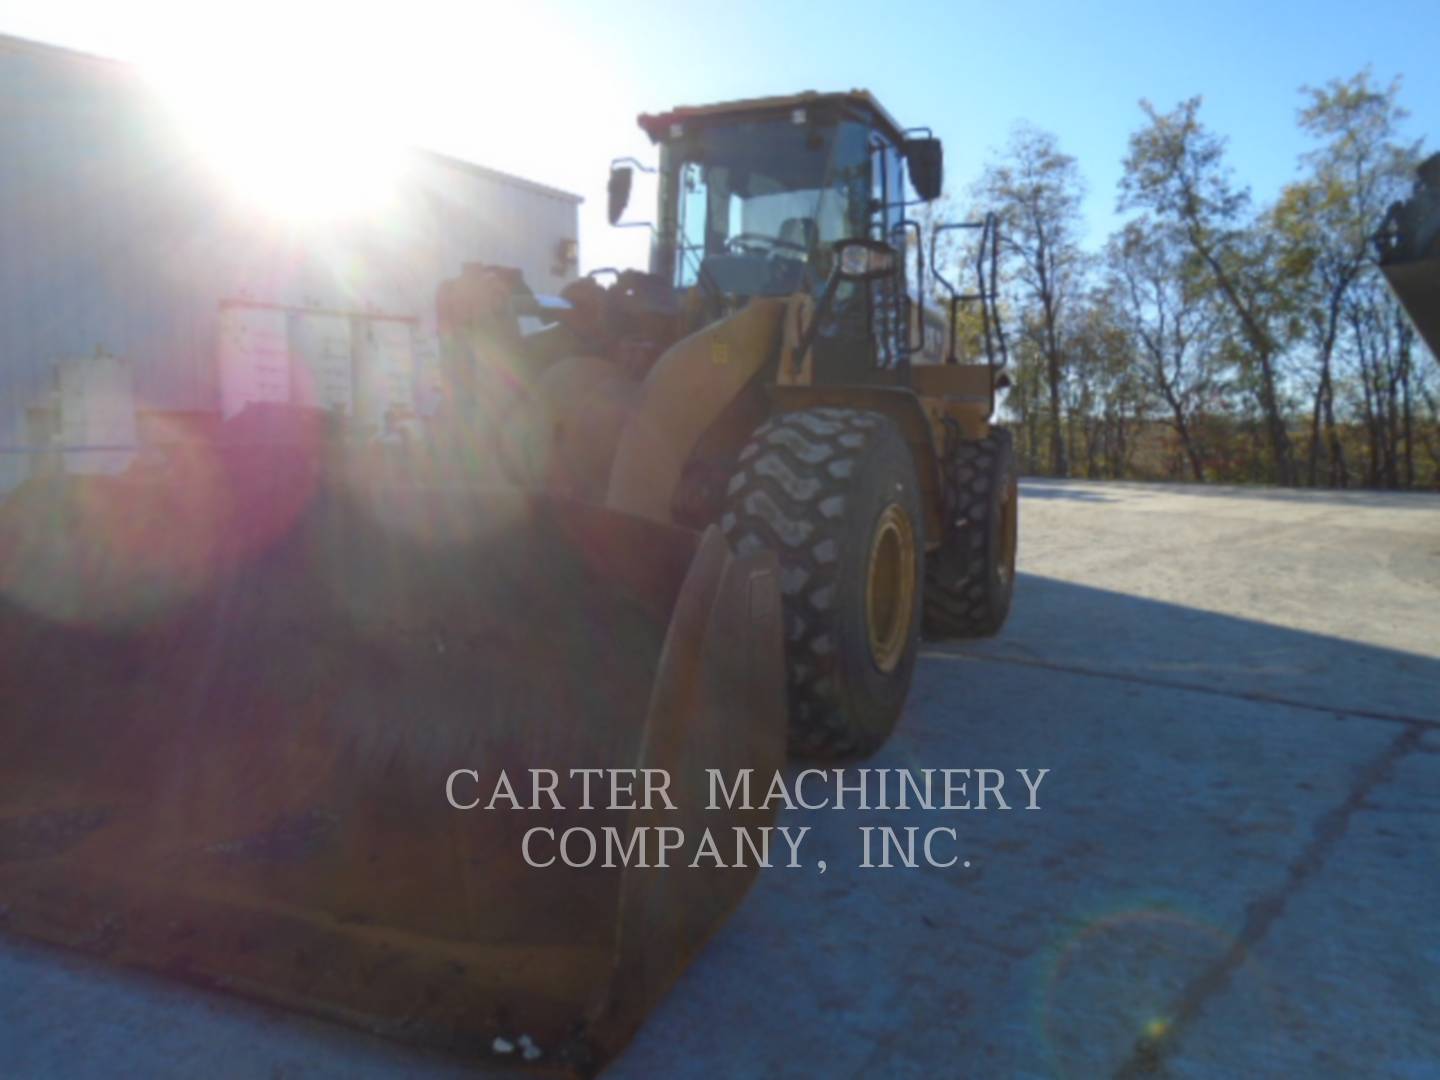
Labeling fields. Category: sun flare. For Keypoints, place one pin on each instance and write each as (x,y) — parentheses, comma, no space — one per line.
(297,138)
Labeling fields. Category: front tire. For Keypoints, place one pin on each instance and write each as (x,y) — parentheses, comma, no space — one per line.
(834,493)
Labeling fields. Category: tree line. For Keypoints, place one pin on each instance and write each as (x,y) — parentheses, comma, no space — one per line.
(1213,338)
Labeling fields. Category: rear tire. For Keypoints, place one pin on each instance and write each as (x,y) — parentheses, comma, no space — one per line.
(970,579)
(833,492)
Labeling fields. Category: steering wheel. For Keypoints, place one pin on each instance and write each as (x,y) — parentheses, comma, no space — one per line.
(746,239)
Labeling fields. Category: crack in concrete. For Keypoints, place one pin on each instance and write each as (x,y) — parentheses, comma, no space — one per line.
(1148,1056)
(1257,696)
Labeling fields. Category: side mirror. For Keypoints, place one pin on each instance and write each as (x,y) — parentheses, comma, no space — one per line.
(621,177)
(865,260)
(926,159)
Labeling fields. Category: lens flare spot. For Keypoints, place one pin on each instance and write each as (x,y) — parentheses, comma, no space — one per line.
(107,552)
(1112,985)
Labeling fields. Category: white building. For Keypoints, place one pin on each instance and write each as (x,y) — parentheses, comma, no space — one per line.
(116,238)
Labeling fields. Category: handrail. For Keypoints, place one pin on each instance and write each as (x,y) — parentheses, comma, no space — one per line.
(987,257)
(899,229)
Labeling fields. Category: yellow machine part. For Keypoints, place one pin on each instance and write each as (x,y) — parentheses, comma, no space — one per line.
(689,386)
(589,430)
(230,703)
(572,424)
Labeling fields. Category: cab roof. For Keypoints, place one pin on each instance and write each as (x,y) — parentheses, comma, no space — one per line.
(657,125)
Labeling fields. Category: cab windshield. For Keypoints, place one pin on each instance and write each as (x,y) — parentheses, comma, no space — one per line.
(753,208)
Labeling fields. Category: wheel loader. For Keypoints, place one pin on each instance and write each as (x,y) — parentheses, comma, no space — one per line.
(685,520)
(777,372)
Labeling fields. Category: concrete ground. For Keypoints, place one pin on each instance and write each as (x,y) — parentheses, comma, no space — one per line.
(1235,870)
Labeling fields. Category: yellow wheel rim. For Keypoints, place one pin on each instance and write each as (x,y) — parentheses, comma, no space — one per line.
(890,587)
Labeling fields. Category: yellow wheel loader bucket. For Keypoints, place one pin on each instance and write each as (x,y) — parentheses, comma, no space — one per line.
(230,706)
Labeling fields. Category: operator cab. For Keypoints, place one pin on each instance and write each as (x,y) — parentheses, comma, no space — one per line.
(753,196)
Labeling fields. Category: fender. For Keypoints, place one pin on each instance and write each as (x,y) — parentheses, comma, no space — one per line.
(687,389)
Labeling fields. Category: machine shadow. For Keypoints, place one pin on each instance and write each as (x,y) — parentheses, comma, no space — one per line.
(1214,813)
(1051,489)
(1098,631)
(1045,487)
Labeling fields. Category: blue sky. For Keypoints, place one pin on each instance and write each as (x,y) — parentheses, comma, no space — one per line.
(551,90)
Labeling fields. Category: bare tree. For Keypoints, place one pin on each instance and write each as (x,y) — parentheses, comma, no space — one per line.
(1107,397)
(1176,171)
(1325,222)
(1383,343)
(1036,191)
(1167,306)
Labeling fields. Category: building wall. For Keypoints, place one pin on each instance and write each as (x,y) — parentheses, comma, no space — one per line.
(116,235)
